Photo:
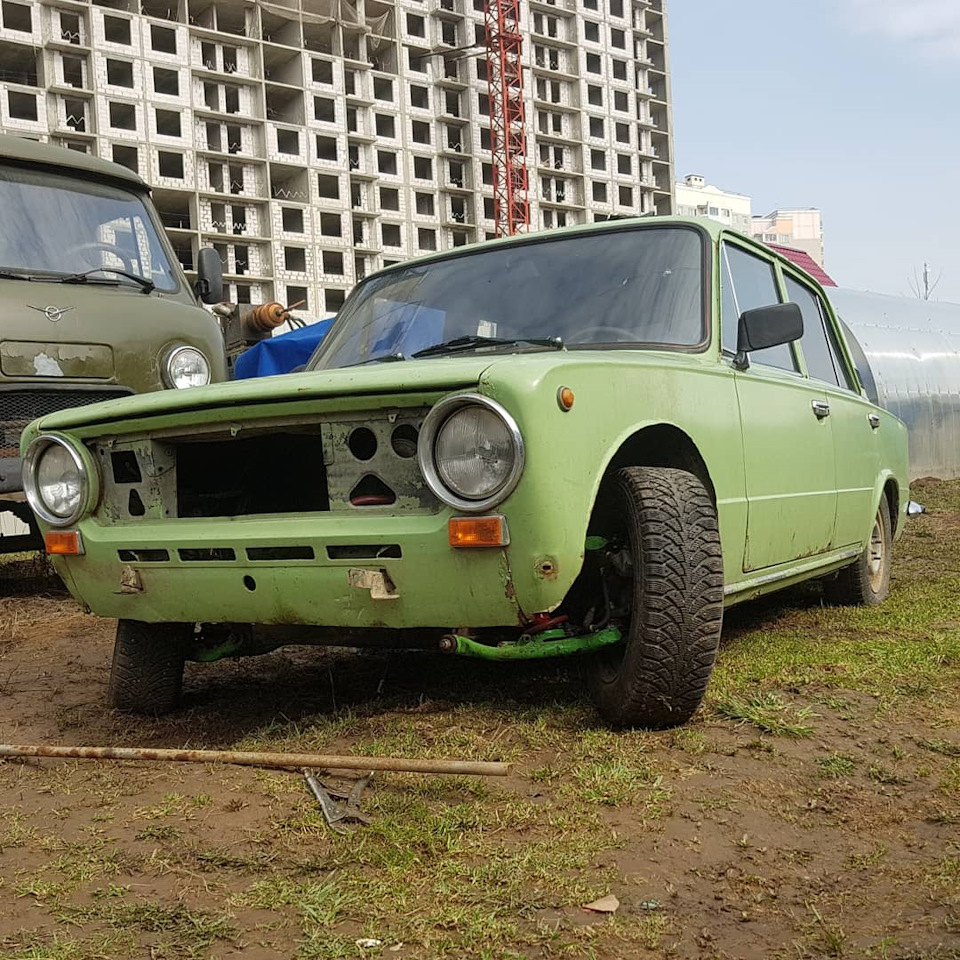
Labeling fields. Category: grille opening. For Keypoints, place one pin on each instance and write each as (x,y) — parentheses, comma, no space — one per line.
(262,473)
(135,505)
(19,407)
(279,553)
(371,491)
(404,441)
(125,467)
(364,551)
(362,443)
(143,556)
(206,553)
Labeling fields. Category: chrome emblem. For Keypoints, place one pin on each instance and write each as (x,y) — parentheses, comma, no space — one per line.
(53,314)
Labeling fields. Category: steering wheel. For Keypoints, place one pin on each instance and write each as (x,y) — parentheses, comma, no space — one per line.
(588,335)
(110,248)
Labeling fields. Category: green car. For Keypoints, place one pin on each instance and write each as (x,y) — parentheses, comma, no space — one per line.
(586,441)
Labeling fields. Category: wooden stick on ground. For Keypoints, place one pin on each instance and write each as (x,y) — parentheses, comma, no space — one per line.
(470,768)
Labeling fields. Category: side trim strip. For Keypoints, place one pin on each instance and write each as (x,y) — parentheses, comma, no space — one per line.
(824,560)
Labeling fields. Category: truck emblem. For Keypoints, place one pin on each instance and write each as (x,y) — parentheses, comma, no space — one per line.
(53,314)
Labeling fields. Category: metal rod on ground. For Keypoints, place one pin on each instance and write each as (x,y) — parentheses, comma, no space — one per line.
(469,768)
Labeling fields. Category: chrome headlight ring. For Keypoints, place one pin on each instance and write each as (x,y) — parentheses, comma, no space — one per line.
(178,354)
(31,463)
(426,452)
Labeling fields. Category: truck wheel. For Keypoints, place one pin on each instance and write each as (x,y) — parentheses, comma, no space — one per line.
(866,582)
(147,668)
(657,677)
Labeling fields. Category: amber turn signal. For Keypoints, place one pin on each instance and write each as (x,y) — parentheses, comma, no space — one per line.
(478,531)
(63,543)
(565,398)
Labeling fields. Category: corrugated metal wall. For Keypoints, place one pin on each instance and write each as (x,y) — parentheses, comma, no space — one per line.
(911,351)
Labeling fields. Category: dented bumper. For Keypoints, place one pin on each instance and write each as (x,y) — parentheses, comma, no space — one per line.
(360,572)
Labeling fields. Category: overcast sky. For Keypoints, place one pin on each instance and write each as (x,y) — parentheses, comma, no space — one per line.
(852,106)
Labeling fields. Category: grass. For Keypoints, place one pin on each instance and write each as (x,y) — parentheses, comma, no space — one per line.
(817,722)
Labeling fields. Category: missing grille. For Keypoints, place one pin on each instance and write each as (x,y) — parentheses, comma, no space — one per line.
(143,556)
(280,553)
(364,551)
(206,553)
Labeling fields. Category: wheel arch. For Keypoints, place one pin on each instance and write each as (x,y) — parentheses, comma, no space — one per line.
(655,445)
(891,490)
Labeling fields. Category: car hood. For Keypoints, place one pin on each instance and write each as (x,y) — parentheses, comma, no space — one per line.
(373,380)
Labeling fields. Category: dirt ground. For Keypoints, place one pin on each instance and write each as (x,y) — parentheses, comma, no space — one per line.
(811,809)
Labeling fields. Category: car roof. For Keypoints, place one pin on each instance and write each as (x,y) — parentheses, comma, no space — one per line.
(19,149)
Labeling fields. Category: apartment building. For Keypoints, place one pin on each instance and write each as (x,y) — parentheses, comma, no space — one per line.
(697,198)
(800,227)
(314,141)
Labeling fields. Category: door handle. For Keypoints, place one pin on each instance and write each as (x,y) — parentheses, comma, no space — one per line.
(821,408)
(873,420)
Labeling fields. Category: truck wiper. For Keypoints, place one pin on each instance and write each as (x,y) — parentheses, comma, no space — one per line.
(470,342)
(148,285)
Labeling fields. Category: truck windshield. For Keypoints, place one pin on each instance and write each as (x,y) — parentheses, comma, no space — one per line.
(641,286)
(55,225)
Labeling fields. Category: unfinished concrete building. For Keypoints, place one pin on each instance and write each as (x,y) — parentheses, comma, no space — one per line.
(314,141)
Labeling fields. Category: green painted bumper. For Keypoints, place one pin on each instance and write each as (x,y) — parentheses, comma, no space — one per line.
(434,584)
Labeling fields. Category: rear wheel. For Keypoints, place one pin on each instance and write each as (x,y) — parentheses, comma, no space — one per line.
(866,582)
(672,581)
(147,671)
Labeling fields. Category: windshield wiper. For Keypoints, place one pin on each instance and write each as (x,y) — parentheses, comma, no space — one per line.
(148,286)
(470,342)
(10,275)
(383,358)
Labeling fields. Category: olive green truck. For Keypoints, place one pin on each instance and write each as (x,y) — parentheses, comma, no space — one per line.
(585,441)
(93,302)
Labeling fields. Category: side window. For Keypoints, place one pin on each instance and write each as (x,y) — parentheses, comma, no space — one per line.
(816,349)
(748,282)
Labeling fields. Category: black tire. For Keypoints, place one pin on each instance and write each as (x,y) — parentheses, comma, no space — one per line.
(147,668)
(657,677)
(866,582)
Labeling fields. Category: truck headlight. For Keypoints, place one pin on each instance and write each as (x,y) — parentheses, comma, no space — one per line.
(55,481)
(470,452)
(186,367)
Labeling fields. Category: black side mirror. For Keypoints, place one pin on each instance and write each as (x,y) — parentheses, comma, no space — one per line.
(767,327)
(209,285)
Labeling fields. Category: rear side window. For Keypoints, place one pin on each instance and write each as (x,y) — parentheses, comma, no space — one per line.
(820,350)
(747,282)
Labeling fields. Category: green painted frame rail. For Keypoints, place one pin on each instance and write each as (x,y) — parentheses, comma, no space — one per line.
(551,643)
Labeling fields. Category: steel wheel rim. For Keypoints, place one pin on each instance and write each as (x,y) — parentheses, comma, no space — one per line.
(876,554)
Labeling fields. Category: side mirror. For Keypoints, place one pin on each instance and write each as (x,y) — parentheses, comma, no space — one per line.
(209,285)
(767,327)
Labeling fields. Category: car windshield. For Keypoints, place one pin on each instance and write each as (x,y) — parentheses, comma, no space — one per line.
(641,286)
(57,225)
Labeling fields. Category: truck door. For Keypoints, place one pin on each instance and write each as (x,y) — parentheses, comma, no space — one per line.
(787,437)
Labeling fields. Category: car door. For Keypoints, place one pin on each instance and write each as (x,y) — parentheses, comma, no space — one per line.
(787,439)
(854,422)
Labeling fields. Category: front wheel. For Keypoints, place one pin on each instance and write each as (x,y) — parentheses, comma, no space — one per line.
(147,671)
(673,584)
(866,582)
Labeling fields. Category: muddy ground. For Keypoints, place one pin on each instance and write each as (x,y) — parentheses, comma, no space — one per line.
(812,809)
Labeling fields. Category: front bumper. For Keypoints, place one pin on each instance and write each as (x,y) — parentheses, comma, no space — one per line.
(433,584)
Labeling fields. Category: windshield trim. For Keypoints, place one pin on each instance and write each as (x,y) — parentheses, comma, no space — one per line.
(548,236)
(137,188)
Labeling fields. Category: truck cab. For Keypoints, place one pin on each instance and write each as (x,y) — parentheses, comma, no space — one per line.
(93,302)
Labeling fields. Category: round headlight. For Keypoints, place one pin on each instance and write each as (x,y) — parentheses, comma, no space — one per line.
(474,453)
(186,367)
(471,452)
(55,481)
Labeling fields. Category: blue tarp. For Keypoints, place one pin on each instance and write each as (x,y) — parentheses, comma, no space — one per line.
(281,354)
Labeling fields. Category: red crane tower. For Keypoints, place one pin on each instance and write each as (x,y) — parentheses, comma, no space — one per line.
(508,142)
